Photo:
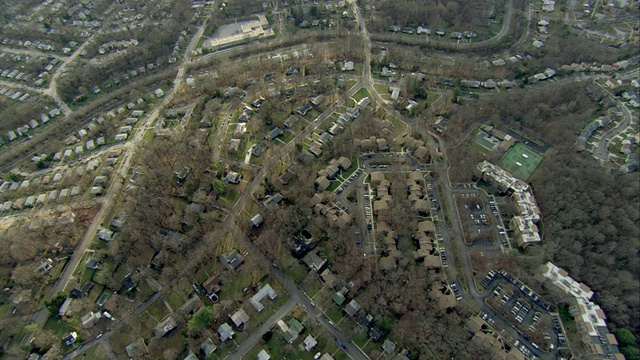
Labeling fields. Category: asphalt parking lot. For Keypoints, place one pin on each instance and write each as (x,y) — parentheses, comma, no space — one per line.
(516,306)
(477,218)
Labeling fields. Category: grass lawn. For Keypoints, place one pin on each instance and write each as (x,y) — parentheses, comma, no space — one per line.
(398,125)
(431,97)
(334,312)
(334,185)
(520,161)
(361,94)
(296,272)
(287,136)
(231,196)
(158,311)
(275,347)
(58,327)
(381,89)
(312,114)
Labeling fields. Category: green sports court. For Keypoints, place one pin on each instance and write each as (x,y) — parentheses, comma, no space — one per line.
(520,161)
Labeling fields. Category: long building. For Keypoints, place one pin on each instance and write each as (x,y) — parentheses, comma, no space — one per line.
(527,211)
(587,314)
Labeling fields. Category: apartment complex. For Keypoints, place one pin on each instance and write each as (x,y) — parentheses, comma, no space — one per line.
(587,314)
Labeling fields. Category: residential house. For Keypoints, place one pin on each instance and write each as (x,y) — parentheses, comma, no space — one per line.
(90,319)
(257,220)
(70,339)
(322,183)
(294,329)
(348,66)
(92,263)
(208,347)
(309,343)
(274,133)
(389,346)
(232,260)
(137,349)
(261,294)
(239,318)
(263,355)
(226,332)
(165,326)
(314,261)
(352,308)
(63,310)
(232,177)
(304,109)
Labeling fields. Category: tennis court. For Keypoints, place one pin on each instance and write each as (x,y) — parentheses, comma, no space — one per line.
(520,161)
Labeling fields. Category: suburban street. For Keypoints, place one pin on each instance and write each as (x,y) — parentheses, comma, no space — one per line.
(601,152)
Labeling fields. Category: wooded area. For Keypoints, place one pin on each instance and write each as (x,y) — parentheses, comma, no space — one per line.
(460,14)
(590,215)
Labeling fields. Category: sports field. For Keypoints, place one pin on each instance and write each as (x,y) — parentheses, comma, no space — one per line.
(520,161)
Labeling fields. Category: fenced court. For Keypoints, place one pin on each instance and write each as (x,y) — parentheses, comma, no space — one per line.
(520,161)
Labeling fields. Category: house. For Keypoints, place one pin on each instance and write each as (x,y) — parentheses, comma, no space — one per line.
(309,343)
(322,183)
(63,310)
(422,30)
(386,72)
(294,329)
(239,318)
(352,308)
(261,294)
(395,93)
(274,133)
(232,177)
(232,260)
(137,349)
(470,83)
(105,234)
(77,294)
(159,93)
(90,319)
(70,339)
(263,355)
(257,220)
(389,346)
(92,264)
(259,148)
(325,137)
(339,296)
(335,129)
(164,327)
(304,109)
(375,334)
(382,144)
(272,201)
(317,100)
(128,284)
(348,66)
(208,347)
(226,332)
(314,261)
(329,278)
(489,84)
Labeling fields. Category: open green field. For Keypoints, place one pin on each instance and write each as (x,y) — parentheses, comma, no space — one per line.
(520,161)
(361,94)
